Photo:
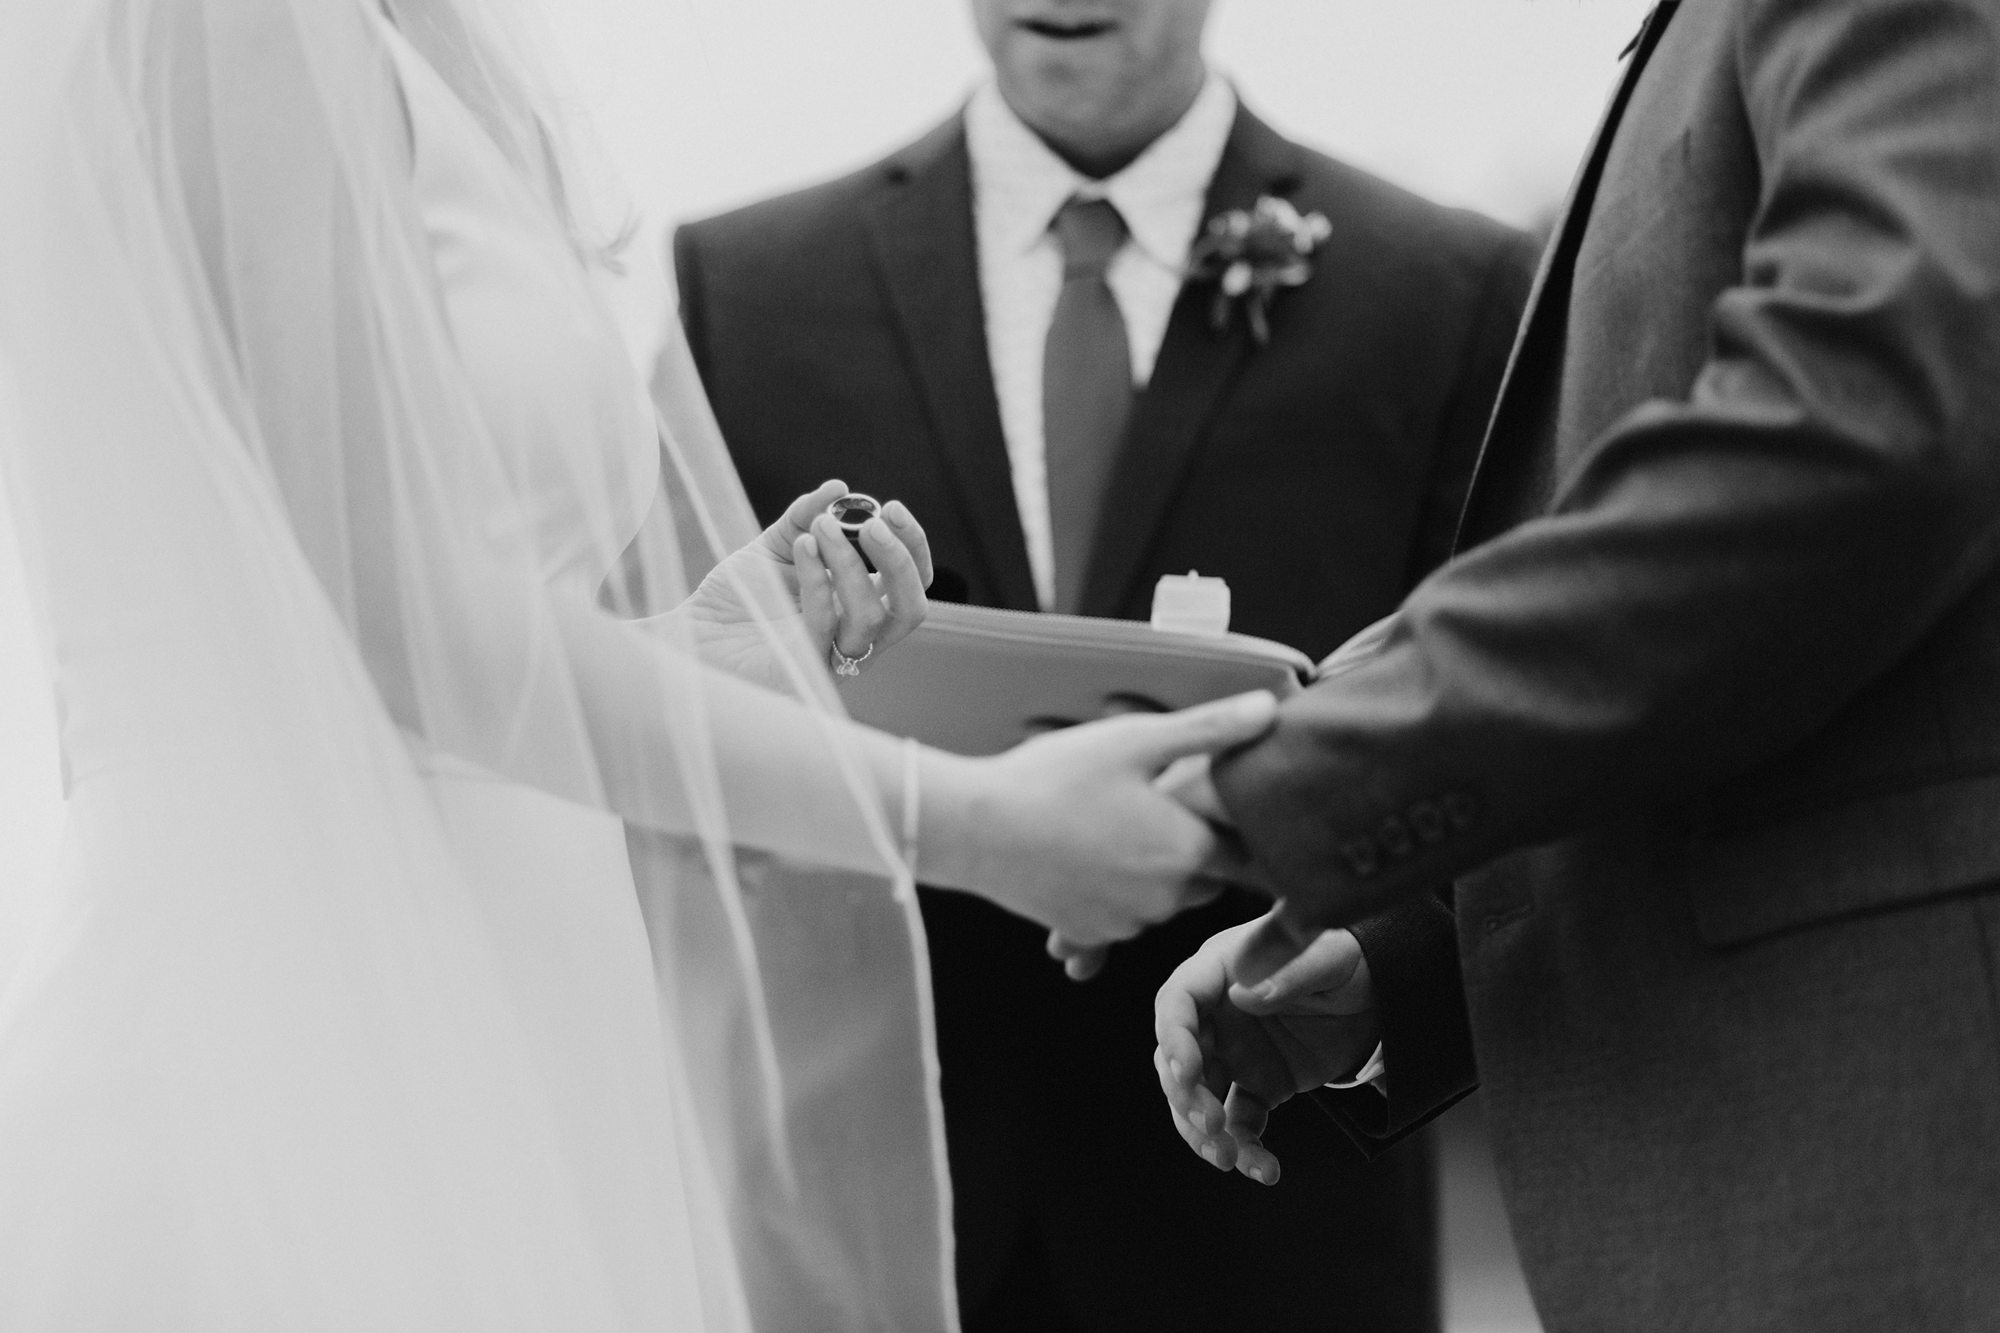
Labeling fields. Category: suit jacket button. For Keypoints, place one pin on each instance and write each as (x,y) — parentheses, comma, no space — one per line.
(1393,836)
(1460,809)
(1362,856)
(1427,821)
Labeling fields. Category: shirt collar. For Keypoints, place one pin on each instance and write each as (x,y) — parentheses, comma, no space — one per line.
(1019,182)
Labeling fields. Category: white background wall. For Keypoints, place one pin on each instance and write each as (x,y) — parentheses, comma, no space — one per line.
(700,104)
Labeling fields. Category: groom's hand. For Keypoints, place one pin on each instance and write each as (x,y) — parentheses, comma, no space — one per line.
(1228,1053)
(1078,838)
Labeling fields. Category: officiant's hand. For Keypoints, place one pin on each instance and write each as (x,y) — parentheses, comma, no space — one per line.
(1229,1053)
(1074,835)
(803,569)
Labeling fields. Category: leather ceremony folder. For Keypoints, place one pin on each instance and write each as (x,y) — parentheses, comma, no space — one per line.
(977,680)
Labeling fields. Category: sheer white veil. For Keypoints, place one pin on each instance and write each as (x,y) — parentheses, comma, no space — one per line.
(281,552)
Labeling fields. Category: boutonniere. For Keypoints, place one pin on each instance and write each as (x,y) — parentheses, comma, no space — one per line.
(1251,254)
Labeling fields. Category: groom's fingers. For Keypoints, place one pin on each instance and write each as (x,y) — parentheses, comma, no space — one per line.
(1198,1114)
(1259,1163)
(1177,1033)
(1275,940)
(1329,977)
(1179,1060)
(1247,1114)
(1190,1077)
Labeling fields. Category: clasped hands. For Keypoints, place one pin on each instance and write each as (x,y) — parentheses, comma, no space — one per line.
(1261,1013)
(1068,829)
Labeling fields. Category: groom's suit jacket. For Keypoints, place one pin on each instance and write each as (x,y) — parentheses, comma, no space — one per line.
(839,333)
(1713,695)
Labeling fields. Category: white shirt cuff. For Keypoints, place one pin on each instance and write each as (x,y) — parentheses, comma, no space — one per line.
(1374,1072)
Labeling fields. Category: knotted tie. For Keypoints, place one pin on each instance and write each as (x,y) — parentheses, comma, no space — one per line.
(1086,387)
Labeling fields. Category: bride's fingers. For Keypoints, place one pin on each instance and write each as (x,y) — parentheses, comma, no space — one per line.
(816,600)
(799,515)
(861,609)
(899,582)
(911,533)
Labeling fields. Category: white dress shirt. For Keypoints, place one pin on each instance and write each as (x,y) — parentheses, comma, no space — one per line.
(1018,183)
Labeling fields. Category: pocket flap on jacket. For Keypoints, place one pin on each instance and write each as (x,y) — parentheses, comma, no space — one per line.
(1869,854)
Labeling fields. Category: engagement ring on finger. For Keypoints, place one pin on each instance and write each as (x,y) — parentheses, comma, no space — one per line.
(843,665)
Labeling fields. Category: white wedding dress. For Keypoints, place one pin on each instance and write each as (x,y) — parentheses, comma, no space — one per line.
(339,1016)
(555,885)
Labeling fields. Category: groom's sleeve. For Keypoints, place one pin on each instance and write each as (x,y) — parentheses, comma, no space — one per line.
(1412,953)
(1719,574)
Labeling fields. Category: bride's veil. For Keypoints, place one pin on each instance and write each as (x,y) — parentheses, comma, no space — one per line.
(282,556)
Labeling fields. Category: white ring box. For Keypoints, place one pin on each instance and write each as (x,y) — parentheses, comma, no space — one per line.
(1190,604)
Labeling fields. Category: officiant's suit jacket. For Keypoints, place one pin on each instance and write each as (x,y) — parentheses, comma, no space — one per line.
(839,332)
(1710,702)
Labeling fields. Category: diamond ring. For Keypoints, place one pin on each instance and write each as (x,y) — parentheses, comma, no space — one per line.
(843,665)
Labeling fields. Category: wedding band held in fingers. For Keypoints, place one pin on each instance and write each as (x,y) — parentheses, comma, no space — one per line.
(851,513)
(875,560)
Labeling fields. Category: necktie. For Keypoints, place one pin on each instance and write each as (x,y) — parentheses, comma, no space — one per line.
(1086,387)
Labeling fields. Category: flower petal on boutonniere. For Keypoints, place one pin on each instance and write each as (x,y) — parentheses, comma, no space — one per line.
(1250,254)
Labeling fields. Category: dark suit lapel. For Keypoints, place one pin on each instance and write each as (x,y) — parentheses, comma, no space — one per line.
(1195,367)
(922,229)
(1548,300)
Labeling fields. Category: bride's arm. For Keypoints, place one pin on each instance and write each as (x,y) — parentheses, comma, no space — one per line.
(1066,829)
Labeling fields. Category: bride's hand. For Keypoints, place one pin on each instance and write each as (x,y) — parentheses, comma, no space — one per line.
(802,568)
(844,606)
(1069,831)
(1188,781)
